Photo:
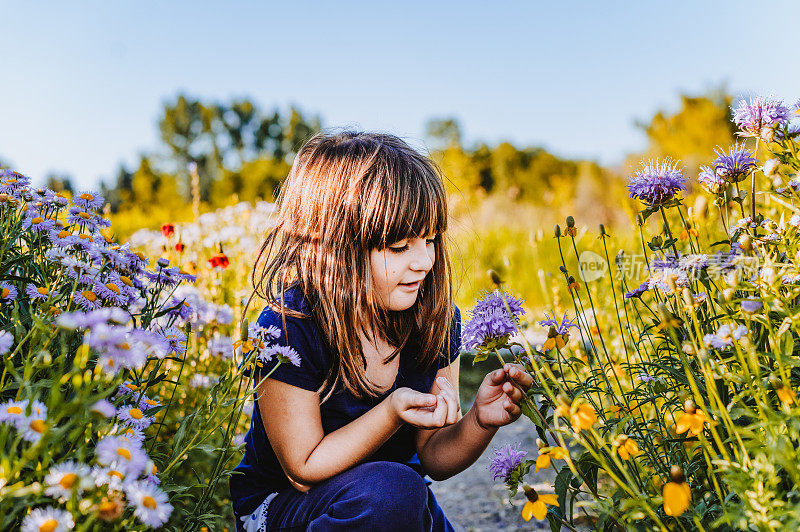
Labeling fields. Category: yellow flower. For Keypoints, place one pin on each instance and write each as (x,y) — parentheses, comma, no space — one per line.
(554,339)
(693,420)
(537,504)
(677,495)
(549,454)
(581,415)
(626,447)
(785,394)
(584,417)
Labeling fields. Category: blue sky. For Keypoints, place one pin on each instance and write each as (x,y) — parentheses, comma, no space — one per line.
(83,83)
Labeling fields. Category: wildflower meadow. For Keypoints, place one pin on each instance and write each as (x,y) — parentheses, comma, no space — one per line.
(664,381)
(122,385)
(668,401)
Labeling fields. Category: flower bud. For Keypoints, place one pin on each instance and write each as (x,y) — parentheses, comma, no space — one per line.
(767,134)
(570,221)
(563,269)
(689,406)
(163,262)
(3,198)
(245,330)
(746,242)
(770,166)
(558,231)
(676,475)
(603,230)
(495,277)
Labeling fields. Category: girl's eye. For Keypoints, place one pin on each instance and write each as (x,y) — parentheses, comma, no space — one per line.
(399,250)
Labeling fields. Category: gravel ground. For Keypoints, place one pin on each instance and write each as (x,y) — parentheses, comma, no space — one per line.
(472,501)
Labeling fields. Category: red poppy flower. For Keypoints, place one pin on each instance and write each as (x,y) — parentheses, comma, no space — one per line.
(220,259)
(179,247)
(167,230)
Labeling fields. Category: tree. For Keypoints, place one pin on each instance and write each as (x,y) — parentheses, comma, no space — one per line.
(220,138)
(691,134)
(443,133)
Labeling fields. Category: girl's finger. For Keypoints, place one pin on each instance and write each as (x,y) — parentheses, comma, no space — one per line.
(518,374)
(439,415)
(421,400)
(511,408)
(452,408)
(513,393)
(497,376)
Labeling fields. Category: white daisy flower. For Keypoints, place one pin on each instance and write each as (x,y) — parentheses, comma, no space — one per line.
(108,476)
(121,454)
(63,479)
(48,519)
(150,503)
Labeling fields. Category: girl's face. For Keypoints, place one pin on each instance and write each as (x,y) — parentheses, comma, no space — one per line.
(398,271)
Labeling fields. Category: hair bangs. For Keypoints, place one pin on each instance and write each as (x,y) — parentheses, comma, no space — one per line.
(409,200)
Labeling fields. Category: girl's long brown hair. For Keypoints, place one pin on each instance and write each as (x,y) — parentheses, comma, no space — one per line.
(346,194)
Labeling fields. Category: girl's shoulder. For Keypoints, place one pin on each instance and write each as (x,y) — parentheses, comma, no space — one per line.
(296,308)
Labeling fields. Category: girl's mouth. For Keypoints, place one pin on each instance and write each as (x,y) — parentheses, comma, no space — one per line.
(410,286)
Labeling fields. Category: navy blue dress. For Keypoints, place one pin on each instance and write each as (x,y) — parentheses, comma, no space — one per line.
(260,474)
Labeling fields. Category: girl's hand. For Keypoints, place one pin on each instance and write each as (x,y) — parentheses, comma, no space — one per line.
(423,410)
(497,401)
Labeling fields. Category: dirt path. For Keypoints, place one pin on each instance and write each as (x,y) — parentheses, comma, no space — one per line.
(474,502)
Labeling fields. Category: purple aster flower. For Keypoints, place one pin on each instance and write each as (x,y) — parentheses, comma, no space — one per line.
(506,460)
(88,220)
(656,183)
(712,181)
(175,339)
(266,334)
(36,293)
(490,320)
(725,336)
(759,113)
(7,292)
(751,305)
(646,377)
(110,292)
(104,408)
(88,201)
(86,299)
(284,353)
(6,341)
(644,287)
(38,224)
(561,328)
(133,417)
(734,165)
(13,183)
(221,346)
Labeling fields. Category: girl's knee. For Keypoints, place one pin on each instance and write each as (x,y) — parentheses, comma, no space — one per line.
(382,495)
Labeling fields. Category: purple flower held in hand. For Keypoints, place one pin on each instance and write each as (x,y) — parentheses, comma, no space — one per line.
(656,183)
(505,460)
(761,112)
(490,319)
(734,165)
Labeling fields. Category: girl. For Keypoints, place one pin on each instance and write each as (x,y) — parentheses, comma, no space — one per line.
(356,275)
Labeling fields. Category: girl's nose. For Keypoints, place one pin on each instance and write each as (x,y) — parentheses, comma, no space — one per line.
(422,260)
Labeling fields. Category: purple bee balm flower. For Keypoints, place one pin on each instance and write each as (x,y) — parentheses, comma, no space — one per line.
(489,319)
(751,305)
(656,183)
(561,328)
(759,113)
(284,353)
(505,460)
(712,181)
(735,165)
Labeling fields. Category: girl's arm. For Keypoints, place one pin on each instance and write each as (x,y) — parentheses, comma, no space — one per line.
(447,451)
(291,417)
